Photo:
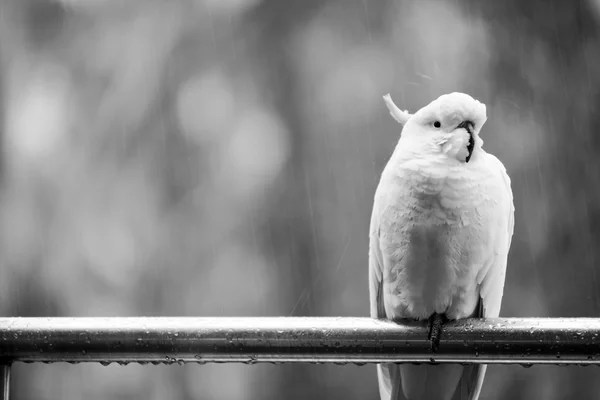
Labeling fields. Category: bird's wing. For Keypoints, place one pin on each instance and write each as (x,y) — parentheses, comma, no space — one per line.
(491,278)
(388,375)
(376,271)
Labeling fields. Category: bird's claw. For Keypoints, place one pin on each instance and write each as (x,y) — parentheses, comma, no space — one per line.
(435,331)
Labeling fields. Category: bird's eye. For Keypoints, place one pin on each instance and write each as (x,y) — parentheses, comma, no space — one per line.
(437,124)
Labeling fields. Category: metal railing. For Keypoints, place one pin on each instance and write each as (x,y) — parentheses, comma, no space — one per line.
(295,340)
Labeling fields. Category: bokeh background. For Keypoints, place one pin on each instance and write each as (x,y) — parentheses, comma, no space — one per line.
(219,158)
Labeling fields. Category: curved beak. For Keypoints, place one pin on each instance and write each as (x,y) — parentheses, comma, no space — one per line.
(468,126)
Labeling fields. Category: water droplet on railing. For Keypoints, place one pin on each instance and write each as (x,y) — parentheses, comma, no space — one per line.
(252,360)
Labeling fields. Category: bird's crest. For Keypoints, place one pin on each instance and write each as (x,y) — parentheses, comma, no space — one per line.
(399,115)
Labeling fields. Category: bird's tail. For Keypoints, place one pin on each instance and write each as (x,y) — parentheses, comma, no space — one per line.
(388,376)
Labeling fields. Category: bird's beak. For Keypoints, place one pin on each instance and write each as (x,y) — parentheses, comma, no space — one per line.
(468,126)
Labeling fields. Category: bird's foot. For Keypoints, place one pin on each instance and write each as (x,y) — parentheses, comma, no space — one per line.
(435,330)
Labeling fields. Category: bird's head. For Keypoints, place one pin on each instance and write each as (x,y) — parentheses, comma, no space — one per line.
(447,126)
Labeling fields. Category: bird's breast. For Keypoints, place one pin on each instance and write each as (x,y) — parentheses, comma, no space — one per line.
(431,234)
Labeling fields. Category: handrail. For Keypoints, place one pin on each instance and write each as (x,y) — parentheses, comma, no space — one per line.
(289,339)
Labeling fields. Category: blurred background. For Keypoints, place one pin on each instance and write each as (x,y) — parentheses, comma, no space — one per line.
(219,158)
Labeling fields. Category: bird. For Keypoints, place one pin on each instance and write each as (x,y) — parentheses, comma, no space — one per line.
(439,238)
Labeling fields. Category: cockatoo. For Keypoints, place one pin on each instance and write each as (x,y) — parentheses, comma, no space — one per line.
(440,232)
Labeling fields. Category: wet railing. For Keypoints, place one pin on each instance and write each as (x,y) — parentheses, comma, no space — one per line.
(294,340)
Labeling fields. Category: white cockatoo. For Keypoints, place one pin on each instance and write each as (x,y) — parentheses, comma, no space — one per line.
(440,232)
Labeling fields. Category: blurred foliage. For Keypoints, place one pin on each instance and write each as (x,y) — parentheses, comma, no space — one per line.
(219,157)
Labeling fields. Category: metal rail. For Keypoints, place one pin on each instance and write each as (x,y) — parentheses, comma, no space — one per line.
(317,340)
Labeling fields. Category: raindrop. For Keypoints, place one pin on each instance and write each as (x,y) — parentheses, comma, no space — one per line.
(252,360)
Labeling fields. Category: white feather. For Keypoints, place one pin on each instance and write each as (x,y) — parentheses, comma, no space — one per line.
(439,239)
(400,116)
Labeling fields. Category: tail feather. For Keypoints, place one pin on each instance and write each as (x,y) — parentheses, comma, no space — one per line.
(388,376)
